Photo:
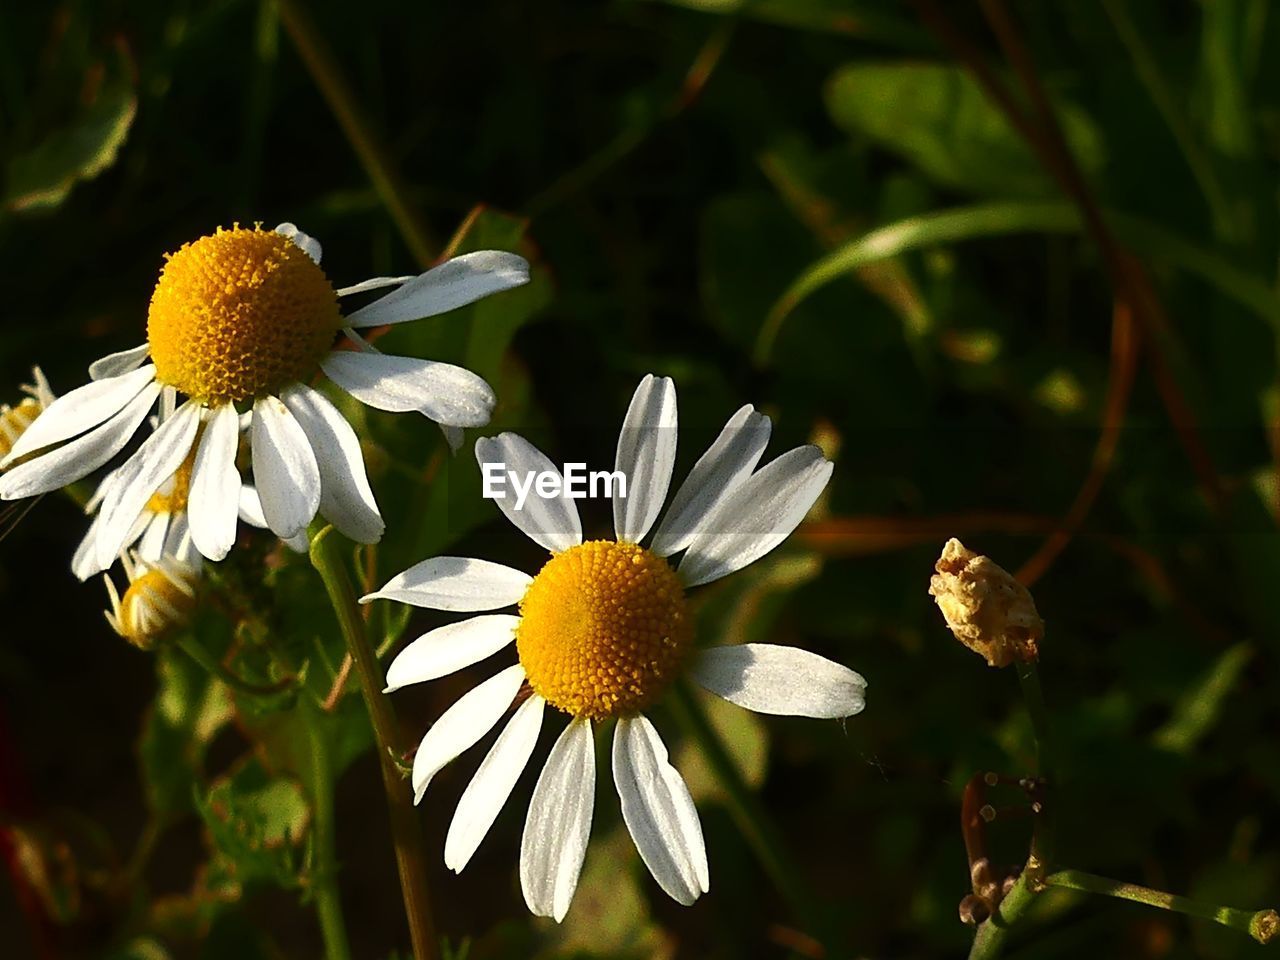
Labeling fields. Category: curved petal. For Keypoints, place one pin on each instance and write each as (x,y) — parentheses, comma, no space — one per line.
(303,241)
(488,790)
(178,543)
(551,522)
(214,503)
(346,499)
(784,681)
(373,283)
(458,584)
(453,284)
(559,822)
(727,462)
(447,394)
(116,364)
(463,724)
(757,516)
(149,532)
(285,471)
(81,456)
(646,456)
(140,477)
(84,562)
(80,410)
(659,811)
(250,507)
(448,649)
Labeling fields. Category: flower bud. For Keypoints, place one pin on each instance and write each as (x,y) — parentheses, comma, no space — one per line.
(160,599)
(15,420)
(989,611)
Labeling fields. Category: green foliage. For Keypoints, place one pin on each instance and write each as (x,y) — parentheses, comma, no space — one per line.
(810,206)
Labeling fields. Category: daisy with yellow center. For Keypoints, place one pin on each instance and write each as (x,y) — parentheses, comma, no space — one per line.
(601,633)
(242,320)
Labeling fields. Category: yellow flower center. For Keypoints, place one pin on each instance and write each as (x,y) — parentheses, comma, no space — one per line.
(240,314)
(175,501)
(603,629)
(156,603)
(15,420)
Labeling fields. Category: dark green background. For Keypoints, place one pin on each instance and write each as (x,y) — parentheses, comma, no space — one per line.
(670,171)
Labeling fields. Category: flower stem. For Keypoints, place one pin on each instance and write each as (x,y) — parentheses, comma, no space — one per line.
(370,150)
(196,651)
(333,927)
(1262,925)
(747,813)
(1041,854)
(405,829)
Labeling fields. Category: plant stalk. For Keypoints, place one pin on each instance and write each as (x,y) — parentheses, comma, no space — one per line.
(405,829)
(333,927)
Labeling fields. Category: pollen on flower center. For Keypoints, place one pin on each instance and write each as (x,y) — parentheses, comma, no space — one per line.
(603,629)
(240,314)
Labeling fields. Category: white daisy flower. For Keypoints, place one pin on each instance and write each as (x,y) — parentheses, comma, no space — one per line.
(160,599)
(602,631)
(246,317)
(14,421)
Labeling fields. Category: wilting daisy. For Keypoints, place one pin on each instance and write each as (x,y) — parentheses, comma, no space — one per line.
(245,318)
(602,631)
(159,599)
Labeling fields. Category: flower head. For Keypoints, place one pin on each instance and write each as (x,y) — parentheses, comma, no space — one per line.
(15,420)
(160,599)
(602,632)
(989,611)
(242,320)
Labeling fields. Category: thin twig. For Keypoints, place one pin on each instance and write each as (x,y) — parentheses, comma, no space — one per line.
(371,151)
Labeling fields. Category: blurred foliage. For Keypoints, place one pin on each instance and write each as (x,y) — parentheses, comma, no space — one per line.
(811,206)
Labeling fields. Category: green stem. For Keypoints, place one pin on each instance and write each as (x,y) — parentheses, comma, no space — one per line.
(1262,925)
(370,150)
(333,927)
(989,941)
(750,817)
(405,829)
(196,651)
(1041,854)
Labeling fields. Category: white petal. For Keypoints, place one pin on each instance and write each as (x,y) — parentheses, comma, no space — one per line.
(149,531)
(84,563)
(488,790)
(447,394)
(551,522)
(83,408)
(214,503)
(81,456)
(450,648)
(757,516)
(115,364)
(454,283)
(646,456)
(303,241)
(727,462)
(141,476)
(659,811)
(459,584)
(285,471)
(463,724)
(373,283)
(345,497)
(785,681)
(251,507)
(559,823)
(178,543)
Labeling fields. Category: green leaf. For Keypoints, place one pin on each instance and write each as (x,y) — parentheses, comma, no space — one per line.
(937,117)
(945,227)
(257,823)
(190,708)
(43,176)
(1201,706)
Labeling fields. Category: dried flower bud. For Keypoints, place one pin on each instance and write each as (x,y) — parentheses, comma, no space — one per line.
(988,611)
